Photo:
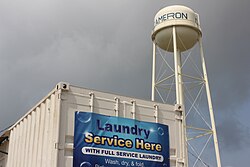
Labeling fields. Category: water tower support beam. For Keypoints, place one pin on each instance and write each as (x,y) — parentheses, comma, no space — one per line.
(180,96)
(177,66)
(216,145)
(153,74)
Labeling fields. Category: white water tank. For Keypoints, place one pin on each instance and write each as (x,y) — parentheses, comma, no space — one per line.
(187,26)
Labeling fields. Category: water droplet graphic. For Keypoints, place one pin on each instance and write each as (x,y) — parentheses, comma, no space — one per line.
(160,131)
(82,119)
(165,164)
(85,164)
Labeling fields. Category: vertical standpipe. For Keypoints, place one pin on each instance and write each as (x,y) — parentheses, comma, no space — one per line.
(153,74)
(179,97)
(177,29)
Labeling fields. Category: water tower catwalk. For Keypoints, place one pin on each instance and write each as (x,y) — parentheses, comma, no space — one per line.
(176,32)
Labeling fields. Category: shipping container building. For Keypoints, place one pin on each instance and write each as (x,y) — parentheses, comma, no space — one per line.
(44,136)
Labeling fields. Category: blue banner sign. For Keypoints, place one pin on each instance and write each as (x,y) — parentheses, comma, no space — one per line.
(106,141)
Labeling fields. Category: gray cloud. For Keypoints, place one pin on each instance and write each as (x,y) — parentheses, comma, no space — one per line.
(233,135)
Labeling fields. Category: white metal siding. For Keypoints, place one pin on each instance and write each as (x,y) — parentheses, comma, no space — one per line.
(44,136)
(32,138)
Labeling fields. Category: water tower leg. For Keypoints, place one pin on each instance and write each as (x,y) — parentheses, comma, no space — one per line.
(153,74)
(180,100)
(216,146)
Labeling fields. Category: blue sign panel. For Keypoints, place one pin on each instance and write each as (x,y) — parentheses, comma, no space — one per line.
(106,141)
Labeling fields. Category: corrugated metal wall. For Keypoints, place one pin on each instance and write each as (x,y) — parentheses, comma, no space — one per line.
(32,138)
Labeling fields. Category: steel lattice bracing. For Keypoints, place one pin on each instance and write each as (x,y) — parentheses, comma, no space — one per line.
(181,78)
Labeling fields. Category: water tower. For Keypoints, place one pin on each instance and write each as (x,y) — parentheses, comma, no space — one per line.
(176,31)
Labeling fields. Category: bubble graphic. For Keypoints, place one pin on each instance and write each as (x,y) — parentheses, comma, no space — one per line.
(85,164)
(85,119)
(160,131)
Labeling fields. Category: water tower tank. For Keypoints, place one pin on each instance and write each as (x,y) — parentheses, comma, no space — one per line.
(187,26)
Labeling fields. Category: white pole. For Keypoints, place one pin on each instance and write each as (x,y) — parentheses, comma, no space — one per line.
(217,152)
(179,71)
(176,61)
(180,98)
(153,74)
(182,102)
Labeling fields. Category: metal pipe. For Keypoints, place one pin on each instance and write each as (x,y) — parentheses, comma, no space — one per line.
(156,113)
(91,101)
(117,100)
(176,61)
(133,109)
(180,97)
(153,74)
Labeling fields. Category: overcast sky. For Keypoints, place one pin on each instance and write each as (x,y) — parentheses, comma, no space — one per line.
(106,45)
